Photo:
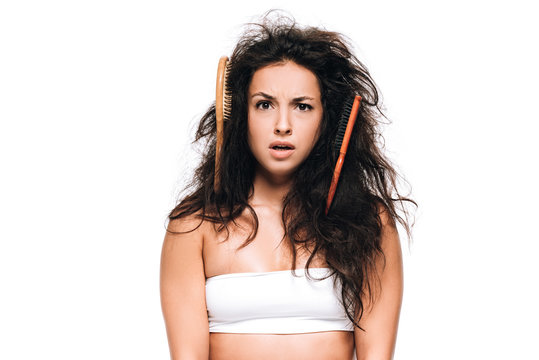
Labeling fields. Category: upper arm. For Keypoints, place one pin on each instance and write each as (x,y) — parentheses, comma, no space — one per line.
(380,319)
(183,298)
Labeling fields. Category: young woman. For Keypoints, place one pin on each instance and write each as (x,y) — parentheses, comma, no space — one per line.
(227,286)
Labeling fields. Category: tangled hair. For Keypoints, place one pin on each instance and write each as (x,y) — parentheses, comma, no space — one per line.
(350,235)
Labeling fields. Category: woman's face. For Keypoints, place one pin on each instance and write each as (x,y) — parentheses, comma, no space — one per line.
(284,117)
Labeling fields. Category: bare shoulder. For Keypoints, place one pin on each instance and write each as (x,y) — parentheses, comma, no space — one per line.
(183,243)
(191,224)
(183,288)
(181,257)
(390,240)
(385,216)
(381,318)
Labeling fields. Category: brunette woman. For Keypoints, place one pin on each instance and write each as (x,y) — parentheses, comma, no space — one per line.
(228,288)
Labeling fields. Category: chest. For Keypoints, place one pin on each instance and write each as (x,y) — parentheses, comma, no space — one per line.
(268,251)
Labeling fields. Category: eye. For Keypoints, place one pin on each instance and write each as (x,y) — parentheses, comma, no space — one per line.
(263,105)
(304,107)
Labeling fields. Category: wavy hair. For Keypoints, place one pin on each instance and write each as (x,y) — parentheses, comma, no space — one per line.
(350,235)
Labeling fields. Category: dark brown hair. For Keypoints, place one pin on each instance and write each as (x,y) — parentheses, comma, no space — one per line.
(349,235)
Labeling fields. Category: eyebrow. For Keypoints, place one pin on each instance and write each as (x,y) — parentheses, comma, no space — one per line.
(270,97)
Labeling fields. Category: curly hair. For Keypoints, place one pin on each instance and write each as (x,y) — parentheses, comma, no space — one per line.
(350,235)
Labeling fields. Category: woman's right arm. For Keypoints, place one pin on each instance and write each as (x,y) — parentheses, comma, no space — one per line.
(183,297)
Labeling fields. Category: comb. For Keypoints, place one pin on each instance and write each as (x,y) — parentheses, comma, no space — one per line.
(223,107)
(344,131)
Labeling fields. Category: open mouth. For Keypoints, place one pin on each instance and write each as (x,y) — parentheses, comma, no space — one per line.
(282,147)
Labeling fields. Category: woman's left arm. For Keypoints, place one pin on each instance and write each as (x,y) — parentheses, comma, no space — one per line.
(381,319)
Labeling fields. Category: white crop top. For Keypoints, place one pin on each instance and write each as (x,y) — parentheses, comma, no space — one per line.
(275,302)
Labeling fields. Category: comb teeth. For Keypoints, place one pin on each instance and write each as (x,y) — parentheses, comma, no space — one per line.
(341,129)
(227,95)
(222,112)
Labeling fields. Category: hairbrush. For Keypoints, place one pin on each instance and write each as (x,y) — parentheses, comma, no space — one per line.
(344,131)
(223,107)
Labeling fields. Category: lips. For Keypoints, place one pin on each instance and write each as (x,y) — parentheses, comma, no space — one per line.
(281,146)
(281,150)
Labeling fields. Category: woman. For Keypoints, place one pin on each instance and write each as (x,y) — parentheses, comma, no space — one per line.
(226,286)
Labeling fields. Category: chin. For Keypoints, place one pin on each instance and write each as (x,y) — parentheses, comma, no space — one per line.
(284,172)
(278,173)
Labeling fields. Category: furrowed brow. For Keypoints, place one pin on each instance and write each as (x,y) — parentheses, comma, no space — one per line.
(302,98)
(264,95)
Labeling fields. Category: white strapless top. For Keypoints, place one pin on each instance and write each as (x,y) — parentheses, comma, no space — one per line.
(275,302)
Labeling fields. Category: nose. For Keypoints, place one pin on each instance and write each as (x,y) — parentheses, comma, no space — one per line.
(283,125)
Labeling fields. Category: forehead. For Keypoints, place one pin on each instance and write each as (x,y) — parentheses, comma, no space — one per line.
(285,79)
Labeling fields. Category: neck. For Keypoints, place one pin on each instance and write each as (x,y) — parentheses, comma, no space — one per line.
(270,190)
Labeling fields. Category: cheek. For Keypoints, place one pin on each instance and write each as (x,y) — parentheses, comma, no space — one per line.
(253,135)
(258,129)
(313,130)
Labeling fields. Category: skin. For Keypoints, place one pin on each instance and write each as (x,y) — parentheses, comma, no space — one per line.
(284,105)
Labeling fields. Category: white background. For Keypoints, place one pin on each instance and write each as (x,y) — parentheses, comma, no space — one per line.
(98,100)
